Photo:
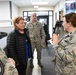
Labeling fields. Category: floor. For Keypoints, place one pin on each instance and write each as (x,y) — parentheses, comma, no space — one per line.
(48,65)
(36,70)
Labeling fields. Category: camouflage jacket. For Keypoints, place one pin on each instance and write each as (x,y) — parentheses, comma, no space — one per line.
(6,68)
(36,32)
(66,55)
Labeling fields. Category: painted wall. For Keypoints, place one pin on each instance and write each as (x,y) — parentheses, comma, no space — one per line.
(4,10)
(7,13)
(5,17)
(15,10)
(32,9)
(6,28)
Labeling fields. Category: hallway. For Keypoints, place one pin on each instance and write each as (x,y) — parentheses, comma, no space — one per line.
(48,65)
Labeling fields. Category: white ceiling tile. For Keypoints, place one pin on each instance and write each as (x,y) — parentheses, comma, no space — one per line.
(23,3)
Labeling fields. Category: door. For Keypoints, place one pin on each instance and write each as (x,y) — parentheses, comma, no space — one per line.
(45,19)
(60,15)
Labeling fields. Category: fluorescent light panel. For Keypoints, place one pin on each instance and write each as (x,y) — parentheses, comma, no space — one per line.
(36,6)
(70,1)
(39,3)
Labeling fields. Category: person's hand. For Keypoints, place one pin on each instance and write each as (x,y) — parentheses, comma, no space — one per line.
(55,39)
(43,41)
(12,61)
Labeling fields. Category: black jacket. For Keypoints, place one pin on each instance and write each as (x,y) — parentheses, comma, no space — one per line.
(16,46)
(46,32)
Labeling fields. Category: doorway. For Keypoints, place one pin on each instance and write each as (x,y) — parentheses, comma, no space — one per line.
(60,15)
(44,19)
(46,16)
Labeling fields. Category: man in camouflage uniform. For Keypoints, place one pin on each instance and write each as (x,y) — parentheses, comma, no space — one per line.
(37,35)
(66,48)
(6,65)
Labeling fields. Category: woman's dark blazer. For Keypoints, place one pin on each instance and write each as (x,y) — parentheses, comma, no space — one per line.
(16,46)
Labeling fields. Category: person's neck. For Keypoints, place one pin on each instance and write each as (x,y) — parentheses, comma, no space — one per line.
(33,21)
(72,29)
(21,31)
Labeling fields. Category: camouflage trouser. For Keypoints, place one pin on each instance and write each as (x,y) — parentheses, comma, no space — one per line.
(37,45)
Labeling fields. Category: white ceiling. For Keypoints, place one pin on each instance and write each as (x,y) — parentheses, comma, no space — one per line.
(28,3)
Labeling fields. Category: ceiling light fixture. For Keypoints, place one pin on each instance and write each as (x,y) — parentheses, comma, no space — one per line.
(39,3)
(72,1)
(36,6)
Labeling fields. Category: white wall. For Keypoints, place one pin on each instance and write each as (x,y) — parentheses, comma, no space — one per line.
(32,9)
(15,11)
(6,28)
(4,10)
(5,17)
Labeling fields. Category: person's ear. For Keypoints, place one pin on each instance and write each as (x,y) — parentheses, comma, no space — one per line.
(16,24)
(70,23)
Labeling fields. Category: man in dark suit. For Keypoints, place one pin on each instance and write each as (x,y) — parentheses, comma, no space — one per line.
(47,33)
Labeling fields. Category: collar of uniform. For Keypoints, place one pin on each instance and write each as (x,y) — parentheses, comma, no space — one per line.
(34,23)
(72,32)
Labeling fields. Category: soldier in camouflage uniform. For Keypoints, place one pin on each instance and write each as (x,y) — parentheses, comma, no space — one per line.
(37,35)
(66,48)
(6,65)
